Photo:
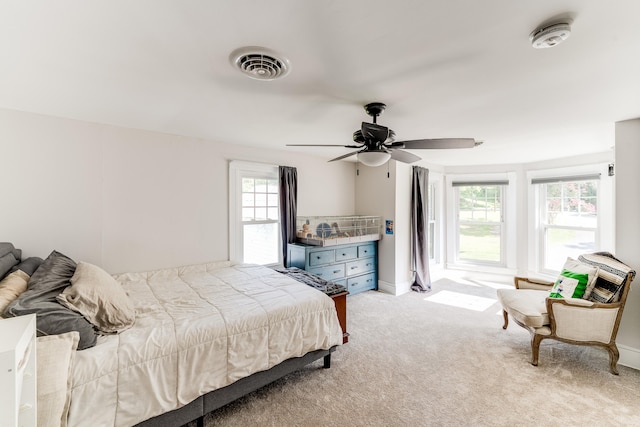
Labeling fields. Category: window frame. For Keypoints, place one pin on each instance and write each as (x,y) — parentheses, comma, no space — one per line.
(544,225)
(237,171)
(510,204)
(432,205)
(501,224)
(604,231)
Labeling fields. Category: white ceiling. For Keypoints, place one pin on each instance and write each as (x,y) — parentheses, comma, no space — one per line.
(449,68)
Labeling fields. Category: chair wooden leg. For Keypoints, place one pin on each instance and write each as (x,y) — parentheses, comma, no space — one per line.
(535,348)
(506,319)
(614,355)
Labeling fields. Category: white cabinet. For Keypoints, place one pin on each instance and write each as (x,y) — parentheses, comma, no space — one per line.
(18,371)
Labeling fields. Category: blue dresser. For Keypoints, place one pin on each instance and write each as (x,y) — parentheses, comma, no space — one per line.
(354,265)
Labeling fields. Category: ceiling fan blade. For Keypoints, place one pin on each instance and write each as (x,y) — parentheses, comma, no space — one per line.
(440,143)
(353,153)
(404,156)
(324,145)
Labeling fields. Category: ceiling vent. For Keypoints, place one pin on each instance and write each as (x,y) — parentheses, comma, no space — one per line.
(550,35)
(260,63)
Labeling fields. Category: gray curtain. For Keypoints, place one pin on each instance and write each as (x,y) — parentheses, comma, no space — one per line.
(419,230)
(288,207)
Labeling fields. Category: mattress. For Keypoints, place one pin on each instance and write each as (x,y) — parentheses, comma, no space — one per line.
(198,328)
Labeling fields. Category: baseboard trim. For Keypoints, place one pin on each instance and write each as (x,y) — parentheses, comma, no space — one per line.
(629,357)
(394,289)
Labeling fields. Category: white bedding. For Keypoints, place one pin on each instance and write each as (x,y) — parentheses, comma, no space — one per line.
(198,328)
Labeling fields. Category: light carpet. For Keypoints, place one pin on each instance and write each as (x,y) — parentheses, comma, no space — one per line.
(412,360)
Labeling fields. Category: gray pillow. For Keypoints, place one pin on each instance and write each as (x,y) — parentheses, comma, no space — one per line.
(29,265)
(53,275)
(7,262)
(6,247)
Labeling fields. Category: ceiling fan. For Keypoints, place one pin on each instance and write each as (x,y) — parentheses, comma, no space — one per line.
(376,144)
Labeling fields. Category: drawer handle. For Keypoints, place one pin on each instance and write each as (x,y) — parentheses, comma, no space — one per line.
(353,267)
(365,251)
(317,257)
(336,271)
(344,254)
(368,264)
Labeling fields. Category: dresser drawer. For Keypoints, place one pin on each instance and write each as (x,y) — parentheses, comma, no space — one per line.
(344,254)
(366,250)
(321,257)
(353,265)
(361,283)
(329,272)
(360,266)
(342,282)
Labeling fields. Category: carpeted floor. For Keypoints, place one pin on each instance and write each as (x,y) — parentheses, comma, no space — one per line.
(416,360)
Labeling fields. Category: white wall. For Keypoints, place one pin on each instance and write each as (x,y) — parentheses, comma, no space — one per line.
(628,233)
(402,228)
(132,200)
(385,191)
(375,194)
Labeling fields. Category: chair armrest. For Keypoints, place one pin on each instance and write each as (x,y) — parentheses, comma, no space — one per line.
(579,302)
(584,321)
(526,283)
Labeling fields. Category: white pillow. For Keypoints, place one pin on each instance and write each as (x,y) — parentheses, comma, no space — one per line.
(574,266)
(99,298)
(55,355)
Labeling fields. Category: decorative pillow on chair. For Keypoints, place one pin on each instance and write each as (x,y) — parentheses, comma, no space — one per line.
(99,298)
(576,279)
(612,276)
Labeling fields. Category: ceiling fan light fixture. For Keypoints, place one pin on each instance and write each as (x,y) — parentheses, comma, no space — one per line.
(373,158)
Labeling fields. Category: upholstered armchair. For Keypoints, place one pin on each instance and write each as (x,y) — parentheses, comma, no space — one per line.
(589,319)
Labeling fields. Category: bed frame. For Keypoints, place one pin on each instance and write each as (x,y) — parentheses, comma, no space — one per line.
(197,409)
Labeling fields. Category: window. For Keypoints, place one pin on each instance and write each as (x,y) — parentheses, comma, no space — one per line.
(431,221)
(254,213)
(480,220)
(568,219)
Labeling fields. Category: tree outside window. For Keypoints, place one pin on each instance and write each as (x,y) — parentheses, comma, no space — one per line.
(569,221)
(480,223)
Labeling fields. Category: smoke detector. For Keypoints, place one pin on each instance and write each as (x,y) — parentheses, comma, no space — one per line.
(260,63)
(550,35)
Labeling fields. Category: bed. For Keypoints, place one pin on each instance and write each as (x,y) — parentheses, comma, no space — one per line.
(203,336)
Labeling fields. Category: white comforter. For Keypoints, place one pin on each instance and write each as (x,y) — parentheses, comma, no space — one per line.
(198,328)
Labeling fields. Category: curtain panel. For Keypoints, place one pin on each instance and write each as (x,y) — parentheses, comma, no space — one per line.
(288,192)
(419,230)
